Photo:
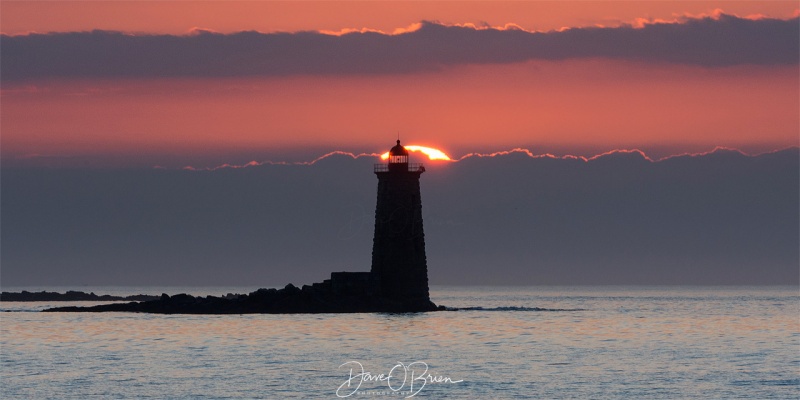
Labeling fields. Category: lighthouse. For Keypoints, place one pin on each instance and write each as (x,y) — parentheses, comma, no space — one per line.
(398,248)
(397,282)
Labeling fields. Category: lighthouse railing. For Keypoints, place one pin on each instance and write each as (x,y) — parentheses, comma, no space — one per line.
(412,167)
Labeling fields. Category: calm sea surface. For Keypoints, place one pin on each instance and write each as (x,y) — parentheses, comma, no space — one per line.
(533,342)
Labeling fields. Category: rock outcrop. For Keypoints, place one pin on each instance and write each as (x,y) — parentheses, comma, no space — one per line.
(317,298)
(69,296)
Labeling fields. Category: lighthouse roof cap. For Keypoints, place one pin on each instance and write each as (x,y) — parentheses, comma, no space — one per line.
(398,150)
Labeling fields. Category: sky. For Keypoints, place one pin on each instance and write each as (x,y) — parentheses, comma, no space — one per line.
(226,142)
(206,83)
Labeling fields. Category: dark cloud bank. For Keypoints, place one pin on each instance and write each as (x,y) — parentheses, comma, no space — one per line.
(721,218)
(710,42)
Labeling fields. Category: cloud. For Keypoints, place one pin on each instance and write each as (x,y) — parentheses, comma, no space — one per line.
(717,218)
(711,41)
(617,154)
(260,163)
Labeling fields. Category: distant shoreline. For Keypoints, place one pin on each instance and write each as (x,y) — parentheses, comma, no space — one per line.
(70,295)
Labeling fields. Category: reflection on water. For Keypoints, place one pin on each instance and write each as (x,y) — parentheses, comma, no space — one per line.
(607,342)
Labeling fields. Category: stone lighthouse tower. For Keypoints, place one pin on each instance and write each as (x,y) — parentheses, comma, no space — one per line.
(398,249)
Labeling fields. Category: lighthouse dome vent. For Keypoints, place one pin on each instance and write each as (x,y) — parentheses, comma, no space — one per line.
(398,150)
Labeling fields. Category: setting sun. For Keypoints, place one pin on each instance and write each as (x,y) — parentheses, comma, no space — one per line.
(433,154)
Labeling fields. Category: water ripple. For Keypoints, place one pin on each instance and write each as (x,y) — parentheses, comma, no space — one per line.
(514,308)
(634,343)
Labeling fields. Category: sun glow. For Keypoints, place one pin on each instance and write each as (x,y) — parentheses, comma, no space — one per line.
(433,154)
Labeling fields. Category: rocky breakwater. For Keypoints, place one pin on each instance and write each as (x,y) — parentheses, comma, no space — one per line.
(317,298)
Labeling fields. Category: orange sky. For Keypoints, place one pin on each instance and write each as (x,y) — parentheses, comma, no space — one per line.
(178,17)
(602,104)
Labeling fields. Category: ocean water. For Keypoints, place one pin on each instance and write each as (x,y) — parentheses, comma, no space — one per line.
(509,343)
